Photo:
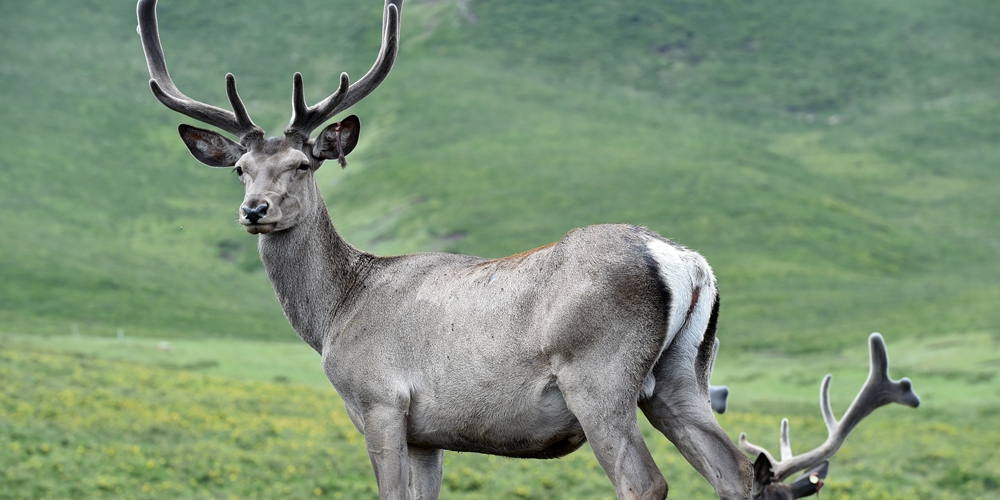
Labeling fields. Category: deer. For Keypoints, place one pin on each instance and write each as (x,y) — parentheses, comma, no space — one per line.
(527,356)
(878,390)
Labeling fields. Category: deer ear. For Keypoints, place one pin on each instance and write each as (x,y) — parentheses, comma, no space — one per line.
(763,474)
(337,140)
(211,148)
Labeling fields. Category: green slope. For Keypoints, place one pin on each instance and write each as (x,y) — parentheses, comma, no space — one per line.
(835,161)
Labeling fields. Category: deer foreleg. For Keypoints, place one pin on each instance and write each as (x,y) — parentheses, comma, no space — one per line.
(385,438)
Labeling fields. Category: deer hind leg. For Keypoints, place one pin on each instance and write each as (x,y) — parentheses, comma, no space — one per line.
(425,473)
(609,420)
(680,407)
(619,448)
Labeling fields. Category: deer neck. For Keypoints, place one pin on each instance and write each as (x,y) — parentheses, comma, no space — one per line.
(312,269)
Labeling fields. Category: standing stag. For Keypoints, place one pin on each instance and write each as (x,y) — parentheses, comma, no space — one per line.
(525,356)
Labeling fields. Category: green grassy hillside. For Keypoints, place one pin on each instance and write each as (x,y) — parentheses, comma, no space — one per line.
(835,161)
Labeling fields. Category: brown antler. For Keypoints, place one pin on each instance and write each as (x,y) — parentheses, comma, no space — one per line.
(878,390)
(236,122)
(306,119)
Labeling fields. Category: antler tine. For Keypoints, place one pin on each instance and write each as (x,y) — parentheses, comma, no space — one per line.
(754,450)
(306,118)
(824,404)
(383,63)
(237,123)
(785,445)
(243,120)
(878,390)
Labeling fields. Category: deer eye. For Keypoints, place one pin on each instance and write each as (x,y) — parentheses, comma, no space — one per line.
(238,170)
(304,166)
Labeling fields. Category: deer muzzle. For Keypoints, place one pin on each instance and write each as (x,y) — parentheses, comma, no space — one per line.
(258,216)
(256,213)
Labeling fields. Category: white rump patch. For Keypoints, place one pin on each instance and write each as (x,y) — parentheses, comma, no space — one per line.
(685,272)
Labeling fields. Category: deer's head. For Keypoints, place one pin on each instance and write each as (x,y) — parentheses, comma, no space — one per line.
(277,172)
(765,487)
(879,390)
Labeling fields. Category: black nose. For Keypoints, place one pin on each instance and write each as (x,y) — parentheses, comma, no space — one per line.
(254,214)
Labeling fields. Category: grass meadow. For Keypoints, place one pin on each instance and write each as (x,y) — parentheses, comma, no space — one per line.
(836,161)
(101,418)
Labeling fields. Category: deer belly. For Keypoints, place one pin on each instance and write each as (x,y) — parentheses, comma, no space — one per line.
(515,423)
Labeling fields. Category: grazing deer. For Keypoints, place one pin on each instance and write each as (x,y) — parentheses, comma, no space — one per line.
(877,391)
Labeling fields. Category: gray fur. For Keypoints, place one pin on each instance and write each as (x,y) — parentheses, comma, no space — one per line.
(526,356)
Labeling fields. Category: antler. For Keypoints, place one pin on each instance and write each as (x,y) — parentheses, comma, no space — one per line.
(306,119)
(236,122)
(878,390)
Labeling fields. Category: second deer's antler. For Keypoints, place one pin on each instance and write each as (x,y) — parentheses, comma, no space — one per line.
(879,390)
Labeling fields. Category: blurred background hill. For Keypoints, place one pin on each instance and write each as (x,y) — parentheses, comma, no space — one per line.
(835,161)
